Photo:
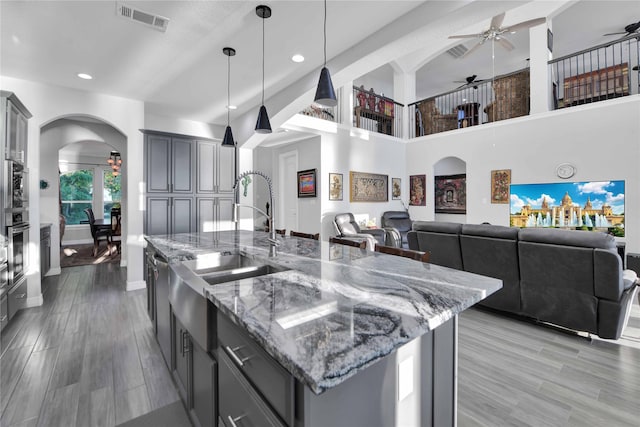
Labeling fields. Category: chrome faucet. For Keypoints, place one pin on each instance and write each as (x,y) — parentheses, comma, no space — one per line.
(273,241)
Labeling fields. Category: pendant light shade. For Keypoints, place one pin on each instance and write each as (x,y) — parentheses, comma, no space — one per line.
(325,95)
(263,125)
(228,135)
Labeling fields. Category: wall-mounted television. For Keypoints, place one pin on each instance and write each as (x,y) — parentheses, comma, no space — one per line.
(592,205)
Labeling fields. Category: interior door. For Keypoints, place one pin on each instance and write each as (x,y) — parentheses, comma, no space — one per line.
(288,218)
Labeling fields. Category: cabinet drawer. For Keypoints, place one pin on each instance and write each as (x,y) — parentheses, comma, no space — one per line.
(17,299)
(239,404)
(270,379)
(4,312)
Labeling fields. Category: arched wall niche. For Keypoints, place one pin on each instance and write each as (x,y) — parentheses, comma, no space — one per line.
(449,166)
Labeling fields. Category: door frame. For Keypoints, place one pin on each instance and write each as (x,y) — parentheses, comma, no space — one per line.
(282,184)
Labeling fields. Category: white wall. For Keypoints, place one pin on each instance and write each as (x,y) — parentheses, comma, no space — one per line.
(600,140)
(48,103)
(184,127)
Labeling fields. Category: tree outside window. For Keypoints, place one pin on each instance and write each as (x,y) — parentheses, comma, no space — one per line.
(76,193)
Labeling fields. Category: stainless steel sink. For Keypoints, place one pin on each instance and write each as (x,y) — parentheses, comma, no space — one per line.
(224,267)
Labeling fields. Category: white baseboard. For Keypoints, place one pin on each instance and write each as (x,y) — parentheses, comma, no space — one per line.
(54,271)
(134,286)
(35,301)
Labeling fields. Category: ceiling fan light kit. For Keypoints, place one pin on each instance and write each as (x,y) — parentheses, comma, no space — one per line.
(325,94)
(263,125)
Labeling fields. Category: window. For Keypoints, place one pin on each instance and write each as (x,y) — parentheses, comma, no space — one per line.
(112,192)
(76,194)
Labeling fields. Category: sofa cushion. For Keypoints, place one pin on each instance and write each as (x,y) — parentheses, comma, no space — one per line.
(437,227)
(487,230)
(568,237)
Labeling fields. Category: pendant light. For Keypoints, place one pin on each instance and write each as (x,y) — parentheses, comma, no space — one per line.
(228,135)
(263,125)
(325,95)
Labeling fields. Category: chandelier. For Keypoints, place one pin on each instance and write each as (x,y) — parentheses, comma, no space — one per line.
(115,161)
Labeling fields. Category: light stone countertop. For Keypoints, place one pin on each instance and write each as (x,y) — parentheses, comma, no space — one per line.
(338,309)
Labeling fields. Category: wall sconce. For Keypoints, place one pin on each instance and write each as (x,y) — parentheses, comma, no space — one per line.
(115,161)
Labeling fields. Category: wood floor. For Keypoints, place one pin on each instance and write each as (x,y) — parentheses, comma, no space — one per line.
(88,357)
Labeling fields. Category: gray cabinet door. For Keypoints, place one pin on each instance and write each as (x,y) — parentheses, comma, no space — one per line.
(158,163)
(206,214)
(226,169)
(182,161)
(206,157)
(181,351)
(182,215)
(224,214)
(158,215)
(203,387)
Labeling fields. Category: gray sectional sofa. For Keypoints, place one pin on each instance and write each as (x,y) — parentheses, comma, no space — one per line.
(572,279)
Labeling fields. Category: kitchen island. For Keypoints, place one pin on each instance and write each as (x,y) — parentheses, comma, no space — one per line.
(337,335)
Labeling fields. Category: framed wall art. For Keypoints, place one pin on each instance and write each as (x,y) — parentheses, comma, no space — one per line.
(335,186)
(368,187)
(451,194)
(396,188)
(500,182)
(417,193)
(307,183)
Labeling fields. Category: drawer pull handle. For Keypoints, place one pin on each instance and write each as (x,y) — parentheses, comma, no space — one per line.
(3,318)
(233,355)
(21,296)
(233,420)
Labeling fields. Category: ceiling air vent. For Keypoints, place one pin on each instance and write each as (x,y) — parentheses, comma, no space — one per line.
(457,51)
(160,23)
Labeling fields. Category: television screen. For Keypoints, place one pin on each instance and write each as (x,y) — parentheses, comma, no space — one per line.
(573,205)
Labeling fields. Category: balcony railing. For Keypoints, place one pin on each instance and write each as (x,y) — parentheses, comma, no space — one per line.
(376,113)
(474,104)
(607,71)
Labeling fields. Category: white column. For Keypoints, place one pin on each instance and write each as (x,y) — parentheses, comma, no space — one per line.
(540,76)
(346,104)
(404,91)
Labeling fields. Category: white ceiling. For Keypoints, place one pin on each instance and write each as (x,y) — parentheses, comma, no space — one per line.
(182,72)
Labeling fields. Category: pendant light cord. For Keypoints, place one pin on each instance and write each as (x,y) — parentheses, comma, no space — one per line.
(263,18)
(228,87)
(325,33)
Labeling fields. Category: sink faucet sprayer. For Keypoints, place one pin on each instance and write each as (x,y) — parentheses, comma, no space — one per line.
(273,242)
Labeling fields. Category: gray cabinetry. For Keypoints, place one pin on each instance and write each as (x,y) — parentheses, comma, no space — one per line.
(4,312)
(45,250)
(195,375)
(14,127)
(189,183)
(169,164)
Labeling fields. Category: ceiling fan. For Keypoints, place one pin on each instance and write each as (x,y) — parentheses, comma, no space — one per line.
(469,81)
(628,30)
(496,31)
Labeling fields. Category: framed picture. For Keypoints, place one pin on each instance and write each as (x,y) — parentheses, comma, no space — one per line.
(500,182)
(307,183)
(396,189)
(451,194)
(368,187)
(335,186)
(417,193)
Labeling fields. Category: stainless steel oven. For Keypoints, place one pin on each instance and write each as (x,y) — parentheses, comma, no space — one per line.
(19,194)
(18,236)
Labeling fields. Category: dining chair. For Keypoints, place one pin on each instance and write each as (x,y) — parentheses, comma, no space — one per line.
(407,253)
(98,233)
(304,235)
(349,242)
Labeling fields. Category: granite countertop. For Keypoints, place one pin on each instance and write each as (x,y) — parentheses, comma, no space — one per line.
(338,309)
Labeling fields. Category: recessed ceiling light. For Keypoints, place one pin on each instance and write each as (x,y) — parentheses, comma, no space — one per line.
(297,58)
(232,107)
(85,76)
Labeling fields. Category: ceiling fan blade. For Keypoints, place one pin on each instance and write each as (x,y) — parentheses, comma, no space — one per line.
(477,45)
(465,36)
(614,34)
(496,21)
(505,43)
(526,24)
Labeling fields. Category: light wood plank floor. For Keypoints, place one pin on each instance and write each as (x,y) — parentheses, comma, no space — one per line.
(88,357)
